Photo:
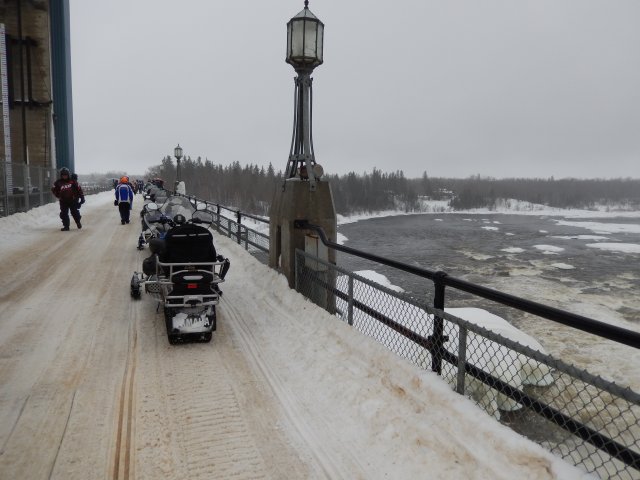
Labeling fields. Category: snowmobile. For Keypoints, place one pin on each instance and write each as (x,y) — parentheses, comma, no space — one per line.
(155,215)
(183,272)
(155,224)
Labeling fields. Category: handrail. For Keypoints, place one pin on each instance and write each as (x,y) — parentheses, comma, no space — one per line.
(585,324)
(238,213)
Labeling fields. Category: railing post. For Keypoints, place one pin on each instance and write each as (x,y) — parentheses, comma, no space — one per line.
(350,302)
(218,217)
(41,185)
(297,272)
(25,182)
(239,217)
(462,359)
(438,324)
(229,227)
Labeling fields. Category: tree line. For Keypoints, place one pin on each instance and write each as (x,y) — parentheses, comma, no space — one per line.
(251,188)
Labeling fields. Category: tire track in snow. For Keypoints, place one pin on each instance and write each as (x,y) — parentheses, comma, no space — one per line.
(212,433)
(126,413)
(331,464)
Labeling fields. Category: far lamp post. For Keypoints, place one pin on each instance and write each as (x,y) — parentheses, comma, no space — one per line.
(177,152)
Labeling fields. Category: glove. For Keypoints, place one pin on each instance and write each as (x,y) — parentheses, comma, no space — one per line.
(81,200)
(130,206)
(115,203)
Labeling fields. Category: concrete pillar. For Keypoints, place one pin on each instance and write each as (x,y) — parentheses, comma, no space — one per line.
(296,202)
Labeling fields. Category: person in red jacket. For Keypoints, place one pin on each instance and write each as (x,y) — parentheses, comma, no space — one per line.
(70,194)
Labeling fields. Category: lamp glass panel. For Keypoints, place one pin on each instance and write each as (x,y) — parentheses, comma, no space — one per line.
(320,46)
(310,40)
(297,38)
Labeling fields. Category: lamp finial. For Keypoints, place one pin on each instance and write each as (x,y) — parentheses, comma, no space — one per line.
(306,3)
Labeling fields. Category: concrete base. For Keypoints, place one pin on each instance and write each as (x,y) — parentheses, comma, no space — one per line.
(297,202)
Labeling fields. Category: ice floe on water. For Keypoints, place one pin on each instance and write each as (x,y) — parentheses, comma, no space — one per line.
(512,250)
(543,231)
(580,237)
(563,266)
(490,228)
(379,279)
(549,249)
(617,247)
(341,239)
(603,228)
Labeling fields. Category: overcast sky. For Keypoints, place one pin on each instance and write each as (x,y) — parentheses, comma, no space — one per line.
(507,88)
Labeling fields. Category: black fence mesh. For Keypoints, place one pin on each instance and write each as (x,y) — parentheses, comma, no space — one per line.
(587,420)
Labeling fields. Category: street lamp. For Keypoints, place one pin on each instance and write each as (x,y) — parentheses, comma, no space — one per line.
(296,200)
(305,38)
(177,152)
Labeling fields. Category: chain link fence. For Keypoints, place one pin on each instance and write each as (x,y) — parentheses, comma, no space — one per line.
(24,187)
(587,420)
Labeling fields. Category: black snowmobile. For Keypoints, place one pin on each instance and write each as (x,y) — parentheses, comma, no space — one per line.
(183,272)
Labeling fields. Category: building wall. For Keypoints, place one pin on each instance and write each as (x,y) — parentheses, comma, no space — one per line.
(37,139)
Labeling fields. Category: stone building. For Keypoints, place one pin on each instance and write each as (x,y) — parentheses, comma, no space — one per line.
(37,127)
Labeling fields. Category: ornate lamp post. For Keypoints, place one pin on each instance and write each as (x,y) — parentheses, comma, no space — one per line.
(305,38)
(303,196)
(177,152)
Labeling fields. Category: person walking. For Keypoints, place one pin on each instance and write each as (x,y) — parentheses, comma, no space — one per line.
(70,194)
(124,199)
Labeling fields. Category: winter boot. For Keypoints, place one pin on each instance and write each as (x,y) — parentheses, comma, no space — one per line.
(64,229)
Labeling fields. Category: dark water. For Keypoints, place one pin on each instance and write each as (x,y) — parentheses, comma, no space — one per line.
(598,283)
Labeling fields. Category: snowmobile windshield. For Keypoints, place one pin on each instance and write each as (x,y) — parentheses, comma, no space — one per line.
(177,205)
(160,195)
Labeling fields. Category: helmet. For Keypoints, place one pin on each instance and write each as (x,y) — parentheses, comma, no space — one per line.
(179,219)
(124,179)
(64,171)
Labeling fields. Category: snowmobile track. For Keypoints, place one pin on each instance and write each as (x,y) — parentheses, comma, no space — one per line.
(332,465)
(215,441)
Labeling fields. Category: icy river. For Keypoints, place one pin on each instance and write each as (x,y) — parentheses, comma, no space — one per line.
(589,266)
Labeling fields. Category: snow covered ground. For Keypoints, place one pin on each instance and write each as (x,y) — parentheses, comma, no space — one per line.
(92,389)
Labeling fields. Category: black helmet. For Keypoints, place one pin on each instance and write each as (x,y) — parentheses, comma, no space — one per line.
(64,171)
(179,219)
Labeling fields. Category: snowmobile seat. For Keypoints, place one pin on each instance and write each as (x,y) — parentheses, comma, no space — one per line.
(189,243)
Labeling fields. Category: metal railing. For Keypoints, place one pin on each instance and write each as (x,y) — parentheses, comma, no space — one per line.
(254,241)
(585,419)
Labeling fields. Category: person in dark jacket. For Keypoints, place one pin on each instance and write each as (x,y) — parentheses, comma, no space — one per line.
(70,194)
(124,199)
